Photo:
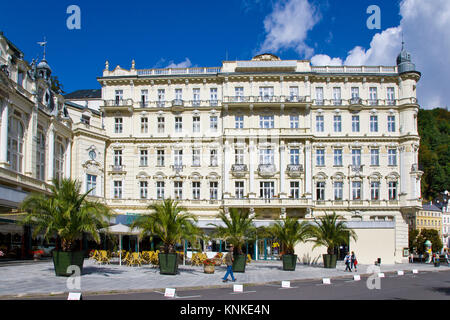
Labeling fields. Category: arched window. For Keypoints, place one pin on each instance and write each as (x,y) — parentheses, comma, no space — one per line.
(40,155)
(59,159)
(15,144)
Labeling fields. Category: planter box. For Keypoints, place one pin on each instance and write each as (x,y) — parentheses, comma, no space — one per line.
(208,269)
(289,262)
(168,263)
(239,263)
(329,260)
(62,260)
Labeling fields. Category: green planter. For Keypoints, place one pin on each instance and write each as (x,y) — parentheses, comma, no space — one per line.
(168,263)
(289,262)
(329,260)
(62,260)
(239,263)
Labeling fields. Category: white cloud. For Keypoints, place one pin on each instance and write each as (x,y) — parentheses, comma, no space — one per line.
(184,64)
(287,26)
(425,25)
(324,60)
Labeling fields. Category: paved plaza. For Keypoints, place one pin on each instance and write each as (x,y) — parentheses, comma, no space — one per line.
(38,278)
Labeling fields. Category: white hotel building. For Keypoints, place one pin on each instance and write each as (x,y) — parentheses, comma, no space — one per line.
(276,137)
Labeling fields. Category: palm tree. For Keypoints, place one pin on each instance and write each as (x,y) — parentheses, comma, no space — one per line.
(330,231)
(290,232)
(170,222)
(65,212)
(238,228)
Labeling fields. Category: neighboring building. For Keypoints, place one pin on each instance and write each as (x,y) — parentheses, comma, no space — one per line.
(442,203)
(276,137)
(430,217)
(90,98)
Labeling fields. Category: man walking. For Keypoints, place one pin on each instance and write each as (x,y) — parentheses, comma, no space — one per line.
(229,262)
(347,261)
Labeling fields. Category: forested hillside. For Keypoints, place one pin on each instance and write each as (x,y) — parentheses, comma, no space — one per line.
(434,152)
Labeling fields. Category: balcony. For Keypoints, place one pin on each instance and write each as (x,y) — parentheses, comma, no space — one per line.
(266,170)
(294,170)
(178,168)
(266,99)
(337,102)
(160,104)
(295,98)
(143,104)
(356,170)
(239,170)
(355,101)
(115,168)
(267,202)
(177,104)
(118,105)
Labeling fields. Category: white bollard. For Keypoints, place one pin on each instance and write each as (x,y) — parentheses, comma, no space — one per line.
(400,273)
(356,277)
(285,284)
(238,288)
(169,293)
(415,271)
(74,296)
(326,281)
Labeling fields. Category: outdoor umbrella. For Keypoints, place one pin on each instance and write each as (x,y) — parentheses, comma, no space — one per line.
(121,230)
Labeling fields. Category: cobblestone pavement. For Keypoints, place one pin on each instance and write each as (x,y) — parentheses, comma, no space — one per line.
(39,278)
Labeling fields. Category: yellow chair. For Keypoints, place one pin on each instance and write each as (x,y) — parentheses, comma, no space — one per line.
(127,257)
(135,258)
(94,255)
(103,257)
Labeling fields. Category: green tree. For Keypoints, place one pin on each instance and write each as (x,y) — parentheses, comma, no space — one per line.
(65,212)
(433,236)
(170,222)
(237,229)
(56,85)
(331,231)
(290,232)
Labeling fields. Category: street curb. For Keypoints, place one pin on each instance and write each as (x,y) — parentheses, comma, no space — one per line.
(23,296)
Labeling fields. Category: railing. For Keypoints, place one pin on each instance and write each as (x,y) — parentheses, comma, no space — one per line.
(178,71)
(354,101)
(294,168)
(267,98)
(239,168)
(117,168)
(354,69)
(118,103)
(177,103)
(266,169)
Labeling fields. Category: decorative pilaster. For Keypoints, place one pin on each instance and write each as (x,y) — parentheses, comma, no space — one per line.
(51,153)
(283,194)
(308,170)
(4,136)
(252,166)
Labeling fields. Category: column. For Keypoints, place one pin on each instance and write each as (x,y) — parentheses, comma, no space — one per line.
(282,170)
(68,162)
(227,168)
(308,170)
(4,136)
(51,153)
(403,170)
(251,168)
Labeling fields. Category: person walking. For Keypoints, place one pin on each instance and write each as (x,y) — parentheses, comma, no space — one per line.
(347,261)
(354,261)
(229,262)
(446,257)
(411,258)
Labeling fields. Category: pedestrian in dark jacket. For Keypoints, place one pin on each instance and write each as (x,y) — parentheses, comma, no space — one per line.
(347,261)
(229,262)
(354,261)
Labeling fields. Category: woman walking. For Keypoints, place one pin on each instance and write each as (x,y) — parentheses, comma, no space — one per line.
(229,262)
(354,261)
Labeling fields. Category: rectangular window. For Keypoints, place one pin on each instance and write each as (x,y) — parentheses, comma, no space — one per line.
(160,158)
(392,188)
(266,93)
(294,121)
(355,92)
(239,122)
(355,123)
(178,189)
(178,124)
(373,123)
(144,158)
(91,183)
(179,95)
(320,191)
(374,157)
(144,98)
(320,157)
(144,189)
(356,157)
(161,124)
(161,97)
(295,189)
(213,190)
(160,190)
(213,96)
(338,157)
(338,190)
(239,189)
(196,124)
(374,191)
(266,156)
(196,157)
(144,125)
(239,156)
(213,125)
(118,125)
(266,122)
(196,97)
(293,94)
(356,190)
(85,119)
(319,95)
(118,158)
(117,189)
(337,123)
(392,157)
(295,156)
(373,98)
(337,96)
(391,123)
(390,96)
(266,189)
(213,160)
(196,190)
(320,127)
(239,94)
(178,158)
(119,97)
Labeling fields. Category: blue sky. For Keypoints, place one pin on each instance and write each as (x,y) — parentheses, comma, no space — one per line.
(195,33)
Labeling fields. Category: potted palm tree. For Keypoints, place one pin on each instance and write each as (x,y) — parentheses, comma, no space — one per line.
(171,223)
(290,232)
(67,213)
(330,231)
(237,229)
